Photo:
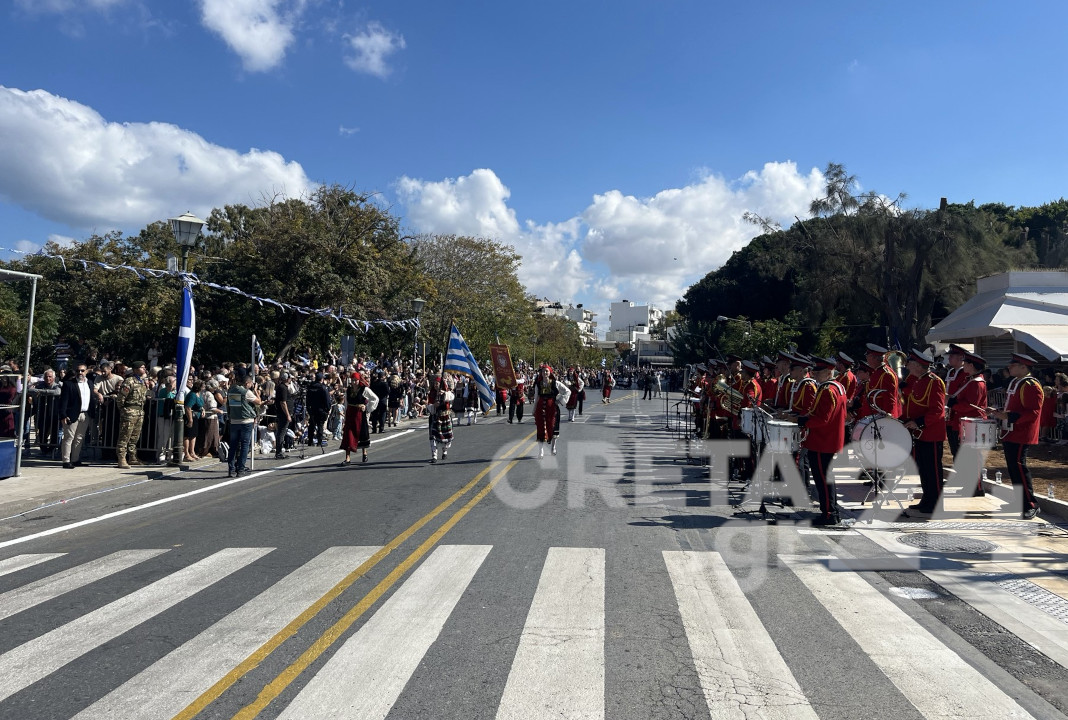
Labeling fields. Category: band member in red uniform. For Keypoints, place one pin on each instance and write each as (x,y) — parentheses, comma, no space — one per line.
(859,406)
(824,428)
(769,381)
(781,401)
(885,379)
(843,365)
(749,387)
(969,401)
(802,387)
(924,415)
(1022,409)
(546,410)
(955,379)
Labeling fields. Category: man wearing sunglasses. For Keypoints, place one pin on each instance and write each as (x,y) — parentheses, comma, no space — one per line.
(77,403)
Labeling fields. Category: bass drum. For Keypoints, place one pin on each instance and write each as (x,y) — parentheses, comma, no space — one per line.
(883,442)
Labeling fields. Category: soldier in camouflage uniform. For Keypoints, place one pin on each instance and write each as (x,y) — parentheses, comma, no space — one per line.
(131,401)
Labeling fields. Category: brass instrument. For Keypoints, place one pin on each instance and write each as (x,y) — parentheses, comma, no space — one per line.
(734,397)
(896,360)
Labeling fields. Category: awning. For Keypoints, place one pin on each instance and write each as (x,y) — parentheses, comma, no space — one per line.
(1039,319)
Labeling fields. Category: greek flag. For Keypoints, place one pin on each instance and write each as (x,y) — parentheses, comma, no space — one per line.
(459,359)
(261,361)
(186,332)
(603,361)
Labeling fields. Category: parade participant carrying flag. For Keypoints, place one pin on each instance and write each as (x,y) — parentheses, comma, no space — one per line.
(459,359)
(186,334)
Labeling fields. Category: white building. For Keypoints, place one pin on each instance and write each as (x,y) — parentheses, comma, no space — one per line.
(629,322)
(577,314)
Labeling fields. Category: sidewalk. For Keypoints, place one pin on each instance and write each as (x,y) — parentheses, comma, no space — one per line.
(44,481)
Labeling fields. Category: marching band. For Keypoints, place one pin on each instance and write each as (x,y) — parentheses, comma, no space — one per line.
(893,397)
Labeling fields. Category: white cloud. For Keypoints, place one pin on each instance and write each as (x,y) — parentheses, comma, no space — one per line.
(259,31)
(346,131)
(371,47)
(620,246)
(63,161)
(476,205)
(658,246)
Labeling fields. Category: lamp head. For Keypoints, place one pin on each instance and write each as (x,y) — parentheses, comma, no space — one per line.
(417,305)
(186,229)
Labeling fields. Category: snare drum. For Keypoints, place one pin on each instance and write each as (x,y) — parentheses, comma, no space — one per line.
(748,421)
(883,441)
(979,433)
(783,437)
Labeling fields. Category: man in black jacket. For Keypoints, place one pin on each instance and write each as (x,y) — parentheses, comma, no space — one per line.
(77,403)
(318,408)
(379,387)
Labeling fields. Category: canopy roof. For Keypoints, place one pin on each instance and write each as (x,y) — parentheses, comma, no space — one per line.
(1032,307)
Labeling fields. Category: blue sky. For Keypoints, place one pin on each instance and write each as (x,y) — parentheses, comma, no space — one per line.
(614,144)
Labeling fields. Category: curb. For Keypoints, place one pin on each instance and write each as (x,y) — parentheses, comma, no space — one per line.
(1048,506)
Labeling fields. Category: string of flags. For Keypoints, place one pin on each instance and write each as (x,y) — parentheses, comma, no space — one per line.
(191,279)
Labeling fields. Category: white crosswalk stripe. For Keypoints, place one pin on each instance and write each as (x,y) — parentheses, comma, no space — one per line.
(385,652)
(559,667)
(936,680)
(27,596)
(42,656)
(21,562)
(742,673)
(168,686)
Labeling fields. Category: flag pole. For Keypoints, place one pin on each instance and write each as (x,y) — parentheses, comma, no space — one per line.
(256,422)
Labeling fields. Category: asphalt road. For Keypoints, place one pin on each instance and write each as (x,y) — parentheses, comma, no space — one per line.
(610,580)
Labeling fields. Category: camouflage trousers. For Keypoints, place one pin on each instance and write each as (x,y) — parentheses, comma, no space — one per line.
(129,432)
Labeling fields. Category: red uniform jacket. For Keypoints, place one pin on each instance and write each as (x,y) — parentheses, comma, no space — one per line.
(865,408)
(848,381)
(1024,406)
(955,379)
(750,390)
(884,378)
(825,427)
(971,392)
(925,403)
(768,388)
(782,392)
(803,395)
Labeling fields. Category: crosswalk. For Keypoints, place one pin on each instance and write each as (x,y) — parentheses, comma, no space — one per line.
(560,667)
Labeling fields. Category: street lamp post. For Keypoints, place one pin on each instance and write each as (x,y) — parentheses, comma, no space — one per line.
(186,229)
(534,342)
(417,307)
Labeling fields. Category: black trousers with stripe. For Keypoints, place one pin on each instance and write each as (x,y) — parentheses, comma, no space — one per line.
(1016,459)
(818,464)
(928,457)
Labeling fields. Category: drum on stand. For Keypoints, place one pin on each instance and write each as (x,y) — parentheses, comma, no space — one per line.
(883,442)
(748,422)
(979,433)
(783,437)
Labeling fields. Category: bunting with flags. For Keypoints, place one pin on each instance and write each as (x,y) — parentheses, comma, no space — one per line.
(186,333)
(459,359)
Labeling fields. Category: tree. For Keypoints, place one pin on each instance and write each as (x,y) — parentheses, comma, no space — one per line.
(473,282)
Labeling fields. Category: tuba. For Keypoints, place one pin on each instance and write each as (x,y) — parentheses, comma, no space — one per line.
(732,397)
(896,360)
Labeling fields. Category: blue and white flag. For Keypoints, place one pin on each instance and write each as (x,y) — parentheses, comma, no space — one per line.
(186,333)
(460,360)
(603,360)
(261,362)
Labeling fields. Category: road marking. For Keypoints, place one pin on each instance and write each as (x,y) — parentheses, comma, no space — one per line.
(741,670)
(287,676)
(45,589)
(21,562)
(164,501)
(167,686)
(936,680)
(558,669)
(38,658)
(386,651)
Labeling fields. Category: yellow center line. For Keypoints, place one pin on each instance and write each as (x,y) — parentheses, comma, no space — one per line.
(252,661)
(287,676)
